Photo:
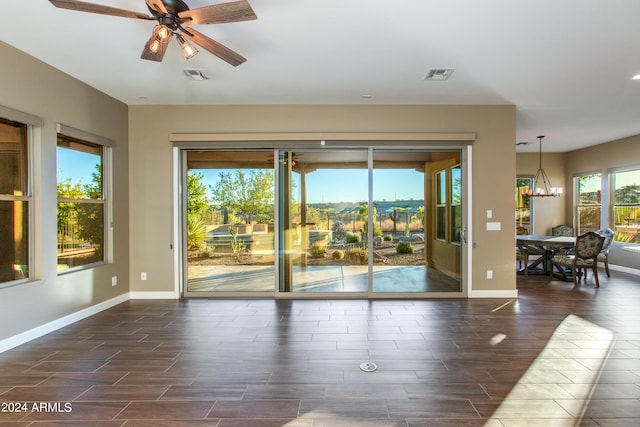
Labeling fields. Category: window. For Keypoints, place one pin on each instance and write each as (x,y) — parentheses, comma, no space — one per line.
(14,201)
(441,205)
(448,215)
(589,202)
(456,207)
(81,203)
(626,205)
(523,205)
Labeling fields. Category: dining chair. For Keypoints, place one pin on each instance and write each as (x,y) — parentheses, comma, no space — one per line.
(583,256)
(603,256)
(562,230)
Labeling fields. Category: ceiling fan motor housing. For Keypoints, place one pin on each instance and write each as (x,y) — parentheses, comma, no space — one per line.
(171,18)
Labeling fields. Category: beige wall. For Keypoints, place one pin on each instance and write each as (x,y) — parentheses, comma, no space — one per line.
(29,86)
(601,158)
(151,170)
(615,154)
(547,211)
(562,167)
(622,153)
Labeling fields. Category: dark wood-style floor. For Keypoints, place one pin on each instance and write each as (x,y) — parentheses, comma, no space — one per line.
(556,356)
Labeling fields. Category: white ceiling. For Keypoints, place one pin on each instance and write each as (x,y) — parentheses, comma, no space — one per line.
(565,64)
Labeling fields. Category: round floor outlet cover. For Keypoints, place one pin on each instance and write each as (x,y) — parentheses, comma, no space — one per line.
(368,366)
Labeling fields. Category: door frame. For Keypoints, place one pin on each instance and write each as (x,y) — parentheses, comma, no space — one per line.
(215,141)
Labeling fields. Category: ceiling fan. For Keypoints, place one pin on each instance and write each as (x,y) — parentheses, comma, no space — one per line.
(172,17)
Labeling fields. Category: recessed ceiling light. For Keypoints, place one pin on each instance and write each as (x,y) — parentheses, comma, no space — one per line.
(366,96)
(636,77)
(142,97)
(438,74)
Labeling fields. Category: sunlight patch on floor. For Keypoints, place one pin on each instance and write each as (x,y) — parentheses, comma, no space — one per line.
(544,396)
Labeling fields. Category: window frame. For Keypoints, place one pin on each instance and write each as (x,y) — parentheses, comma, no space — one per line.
(455,234)
(104,145)
(27,121)
(611,221)
(526,200)
(578,206)
(441,211)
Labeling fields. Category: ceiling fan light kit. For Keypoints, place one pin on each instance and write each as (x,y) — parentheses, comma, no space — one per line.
(172,17)
(188,50)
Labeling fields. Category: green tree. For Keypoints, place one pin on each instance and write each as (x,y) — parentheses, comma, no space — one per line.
(87,218)
(91,215)
(197,199)
(67,211)
(248,194)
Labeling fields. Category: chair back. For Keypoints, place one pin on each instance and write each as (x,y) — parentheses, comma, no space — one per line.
(562,230)
(608,238)
(520,230)
(588,245)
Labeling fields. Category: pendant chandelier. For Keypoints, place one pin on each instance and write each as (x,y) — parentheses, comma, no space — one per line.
(541,184)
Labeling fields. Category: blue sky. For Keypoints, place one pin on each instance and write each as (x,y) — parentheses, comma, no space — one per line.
(350,185)
(76,164)
(323,186)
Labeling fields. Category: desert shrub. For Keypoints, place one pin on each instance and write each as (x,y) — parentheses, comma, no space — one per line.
(387,225)
(237,245)
(357,255)
(353,237)
(404,248)
(316,251)
(206,251)
(196,231)
(337,229)
(354,225)
(416,225)
(621,236)
(387,238)
(337,254)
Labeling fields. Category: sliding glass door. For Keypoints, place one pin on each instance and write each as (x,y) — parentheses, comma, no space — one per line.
(354,221)
(325,221)
(416,221)
(229,221)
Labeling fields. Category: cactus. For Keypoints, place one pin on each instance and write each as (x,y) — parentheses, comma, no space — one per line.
(395,216)
(337,254)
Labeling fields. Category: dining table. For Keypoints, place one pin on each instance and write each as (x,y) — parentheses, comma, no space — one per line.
(549,246)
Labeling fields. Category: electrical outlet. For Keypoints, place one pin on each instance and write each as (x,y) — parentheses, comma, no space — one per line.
(489,274)
(143,275)
(114,280)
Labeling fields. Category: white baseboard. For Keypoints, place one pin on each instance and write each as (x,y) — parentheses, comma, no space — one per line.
(628,270)
(154,295)
(54,325)
(494,294)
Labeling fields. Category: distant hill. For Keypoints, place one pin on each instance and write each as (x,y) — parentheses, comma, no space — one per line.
(381,206)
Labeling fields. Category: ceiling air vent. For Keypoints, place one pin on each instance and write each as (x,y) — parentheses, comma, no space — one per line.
(439,74)
(193,74)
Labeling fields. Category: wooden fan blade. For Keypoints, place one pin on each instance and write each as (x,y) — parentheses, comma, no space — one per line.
(149,54)
(235,11)
(98,8)
(157,5)
(213,46)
